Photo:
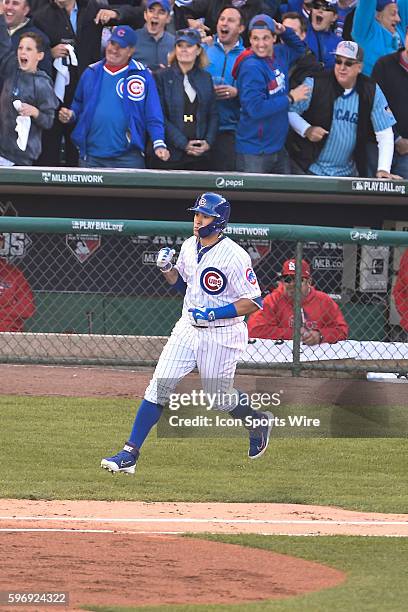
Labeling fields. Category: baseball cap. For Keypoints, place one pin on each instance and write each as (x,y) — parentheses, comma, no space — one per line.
(189,35)
(163,3)
(125,36)
(261,22)
(349,49)
(289,268)
(381,4)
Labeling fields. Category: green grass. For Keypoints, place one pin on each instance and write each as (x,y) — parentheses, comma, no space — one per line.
(375,568)
(51,449)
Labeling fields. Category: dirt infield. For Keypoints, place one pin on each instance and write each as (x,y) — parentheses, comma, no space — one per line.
(66,545)
(120,569)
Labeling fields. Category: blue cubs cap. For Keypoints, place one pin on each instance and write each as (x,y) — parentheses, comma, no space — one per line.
(381,4)
(163,3)
(125,36)
(189,35)
(261,22)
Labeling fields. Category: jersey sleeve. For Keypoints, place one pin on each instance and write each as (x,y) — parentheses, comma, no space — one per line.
(381,114)
(244,278)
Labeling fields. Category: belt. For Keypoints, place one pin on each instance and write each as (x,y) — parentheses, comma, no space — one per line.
(210,326)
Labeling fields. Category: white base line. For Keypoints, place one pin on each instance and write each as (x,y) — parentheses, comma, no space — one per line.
(178,533)
(66,530)
(199,520)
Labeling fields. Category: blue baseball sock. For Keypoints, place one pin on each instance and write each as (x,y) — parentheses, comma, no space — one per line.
(146,417)
(243,410)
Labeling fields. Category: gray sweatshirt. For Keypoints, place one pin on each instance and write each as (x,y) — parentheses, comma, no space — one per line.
(32,88)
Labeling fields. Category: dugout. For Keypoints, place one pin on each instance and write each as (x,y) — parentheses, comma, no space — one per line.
(256,198)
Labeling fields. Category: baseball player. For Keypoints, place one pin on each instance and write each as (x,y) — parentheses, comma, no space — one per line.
(220,288)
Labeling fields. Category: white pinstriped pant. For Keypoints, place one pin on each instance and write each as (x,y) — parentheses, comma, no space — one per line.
(214,350)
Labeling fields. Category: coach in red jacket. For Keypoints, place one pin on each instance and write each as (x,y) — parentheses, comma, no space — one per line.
(322,319)
(400,292)
(16,298)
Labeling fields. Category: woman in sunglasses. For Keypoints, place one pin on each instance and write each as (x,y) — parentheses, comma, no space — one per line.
(189,104)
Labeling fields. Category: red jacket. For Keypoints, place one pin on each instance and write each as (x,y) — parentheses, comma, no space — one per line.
(320,312)
(400,291)
(16,298)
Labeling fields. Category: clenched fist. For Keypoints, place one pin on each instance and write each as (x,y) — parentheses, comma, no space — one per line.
(164,258)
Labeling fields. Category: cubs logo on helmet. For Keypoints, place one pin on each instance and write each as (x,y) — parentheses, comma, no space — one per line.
(213,281)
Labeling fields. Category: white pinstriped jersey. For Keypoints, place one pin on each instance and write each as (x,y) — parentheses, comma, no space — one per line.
(216,276)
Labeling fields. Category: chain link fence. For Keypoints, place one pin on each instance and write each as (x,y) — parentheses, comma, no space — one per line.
(97,297)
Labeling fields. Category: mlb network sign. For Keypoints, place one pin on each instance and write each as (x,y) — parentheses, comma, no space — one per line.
(68,177)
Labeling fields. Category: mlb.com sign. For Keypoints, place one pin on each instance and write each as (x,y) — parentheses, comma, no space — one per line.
(223,183)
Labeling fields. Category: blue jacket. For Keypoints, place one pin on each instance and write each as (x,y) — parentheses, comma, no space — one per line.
(144,113)
(323,45)
(263,87)
(221,64)
(171,91)
(372,36)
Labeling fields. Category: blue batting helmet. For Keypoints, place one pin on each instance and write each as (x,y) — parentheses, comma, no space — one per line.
(214,205)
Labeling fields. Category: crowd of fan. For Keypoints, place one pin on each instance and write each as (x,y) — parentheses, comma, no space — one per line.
(315,87)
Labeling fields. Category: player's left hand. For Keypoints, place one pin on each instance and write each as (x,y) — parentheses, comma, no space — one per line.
(202,314)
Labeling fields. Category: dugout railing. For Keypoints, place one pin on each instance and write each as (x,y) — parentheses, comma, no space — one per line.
(100,300)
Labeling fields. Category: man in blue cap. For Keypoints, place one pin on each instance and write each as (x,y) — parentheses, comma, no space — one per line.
(115,104)
(379,27)
(153,42)
(262,80)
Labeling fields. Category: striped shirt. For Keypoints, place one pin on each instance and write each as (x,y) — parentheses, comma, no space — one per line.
(336,157)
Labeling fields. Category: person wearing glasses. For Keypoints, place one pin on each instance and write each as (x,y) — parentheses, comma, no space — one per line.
(321,37)
(189,104)
(322,319)
(331,128)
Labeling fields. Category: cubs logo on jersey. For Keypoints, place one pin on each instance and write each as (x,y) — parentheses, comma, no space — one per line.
(135,87)
(213,281)
(277,82)
(251,276)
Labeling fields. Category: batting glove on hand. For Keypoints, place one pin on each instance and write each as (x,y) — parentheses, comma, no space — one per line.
(202,314)
(164,258)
